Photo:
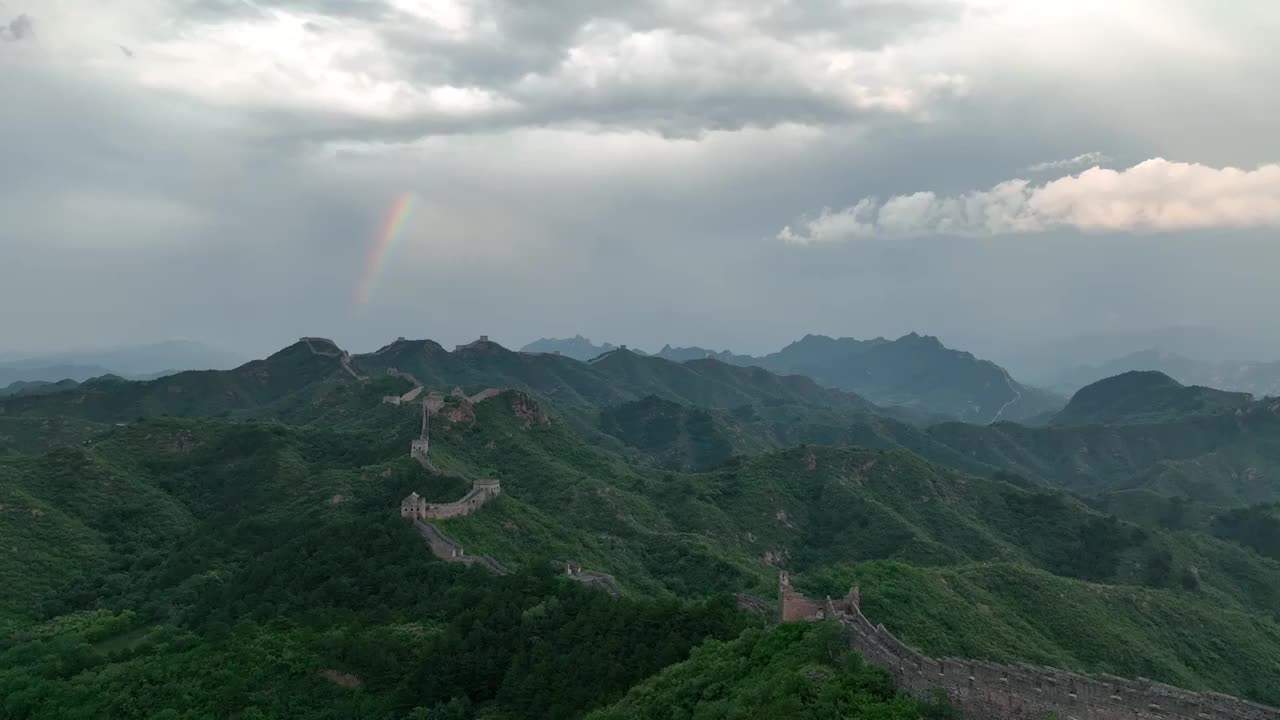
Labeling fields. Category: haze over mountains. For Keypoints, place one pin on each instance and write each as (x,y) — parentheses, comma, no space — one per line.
(914,372)
(1045,362)
(1140,396)
(22,372)
(1257,378)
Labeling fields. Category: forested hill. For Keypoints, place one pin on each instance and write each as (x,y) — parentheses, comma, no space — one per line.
(913,371)
(915,374)
(245,555)
(1227,458)
(696,414)
(1145,396)
(160,523)
(314,377)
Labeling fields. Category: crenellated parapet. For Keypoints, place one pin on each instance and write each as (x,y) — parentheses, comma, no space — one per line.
(984,690)
(482,491)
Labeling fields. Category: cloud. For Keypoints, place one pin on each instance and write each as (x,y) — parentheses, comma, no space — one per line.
(1081,160)
(1152,196)
(402,69)
(19,28)
(242,159)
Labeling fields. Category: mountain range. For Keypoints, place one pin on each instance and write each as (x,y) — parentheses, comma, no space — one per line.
(1143,396)
(1257,378)
(576,347)
(137,362)
(229,542)
(914,373)
(1044,361)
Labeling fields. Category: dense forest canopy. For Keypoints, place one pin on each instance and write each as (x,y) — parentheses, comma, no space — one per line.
(234,548)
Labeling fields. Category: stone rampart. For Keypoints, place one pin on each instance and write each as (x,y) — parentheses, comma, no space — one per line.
(794,606)
(418,451)
(482,491)
(345,361)
(321,346)
(483,395)
(402,399)
(449,550)
(591,578)
(990,691)
(328,348)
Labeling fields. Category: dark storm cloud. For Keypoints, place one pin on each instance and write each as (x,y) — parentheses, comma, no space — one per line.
(617,169)
(532,38)
(672,68)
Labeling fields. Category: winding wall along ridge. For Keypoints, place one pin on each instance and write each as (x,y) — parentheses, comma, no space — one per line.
(990,691)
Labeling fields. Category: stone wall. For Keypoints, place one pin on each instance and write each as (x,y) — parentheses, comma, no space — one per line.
(794,606)
(321,346)
(418,449)
(447,549)
(591,578)
(328,348)
(990,691)
(483,395)
(482,491)
(402,399)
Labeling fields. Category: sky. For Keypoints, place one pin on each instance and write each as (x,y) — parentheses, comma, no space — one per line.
(730,174)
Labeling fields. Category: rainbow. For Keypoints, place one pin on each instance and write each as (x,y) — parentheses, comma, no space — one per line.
(389,230)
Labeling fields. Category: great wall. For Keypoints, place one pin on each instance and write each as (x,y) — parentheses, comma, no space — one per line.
(414,506)
(983,690)
(979,689)
(449,550)
(590,578)
(419,510)
(344,357)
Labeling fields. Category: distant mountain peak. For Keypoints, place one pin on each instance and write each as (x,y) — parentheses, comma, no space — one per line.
(483,343)
(914,371)
(576,347)
(1144,396)
(1145,378)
